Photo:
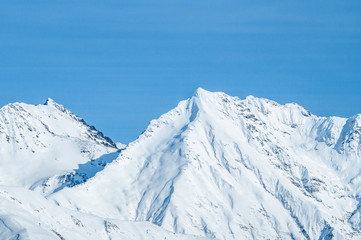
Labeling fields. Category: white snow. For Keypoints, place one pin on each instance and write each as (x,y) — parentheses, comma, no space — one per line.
(215,166)
(41,141)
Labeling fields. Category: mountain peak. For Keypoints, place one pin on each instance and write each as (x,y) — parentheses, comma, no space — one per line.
(201,92)
(207,99)
(199,89)
(214,144)
(50,102)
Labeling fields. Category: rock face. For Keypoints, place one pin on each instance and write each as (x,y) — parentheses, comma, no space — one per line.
(226,168)
(215,167)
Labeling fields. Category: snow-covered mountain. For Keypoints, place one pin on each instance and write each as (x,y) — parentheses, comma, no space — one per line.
(226,168)
(218,167)
(46,148)
(41,141)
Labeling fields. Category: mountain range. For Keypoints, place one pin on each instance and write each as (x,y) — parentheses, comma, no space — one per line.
(214,167)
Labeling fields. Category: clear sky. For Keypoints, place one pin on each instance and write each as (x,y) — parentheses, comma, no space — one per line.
(119,64)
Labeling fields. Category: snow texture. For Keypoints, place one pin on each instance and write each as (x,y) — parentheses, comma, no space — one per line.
(215,166)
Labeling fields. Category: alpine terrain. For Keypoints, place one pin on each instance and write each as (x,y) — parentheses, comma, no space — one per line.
(214,167)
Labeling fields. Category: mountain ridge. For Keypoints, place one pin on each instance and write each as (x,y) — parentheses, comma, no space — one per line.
(34,136)
(220,167)
(40,144)
(218,139)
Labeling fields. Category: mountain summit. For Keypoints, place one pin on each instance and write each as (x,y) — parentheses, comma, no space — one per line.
(214,167)
(39,141)
(221,167)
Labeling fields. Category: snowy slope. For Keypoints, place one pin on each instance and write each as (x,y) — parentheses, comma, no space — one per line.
(222,167)
(40,141)
(46,148)
(27,215)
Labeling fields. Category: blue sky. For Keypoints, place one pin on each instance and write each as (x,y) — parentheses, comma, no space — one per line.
(119,64)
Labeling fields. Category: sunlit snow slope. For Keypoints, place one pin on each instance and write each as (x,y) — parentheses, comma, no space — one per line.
(226,168)
(27,215)
(45,148)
